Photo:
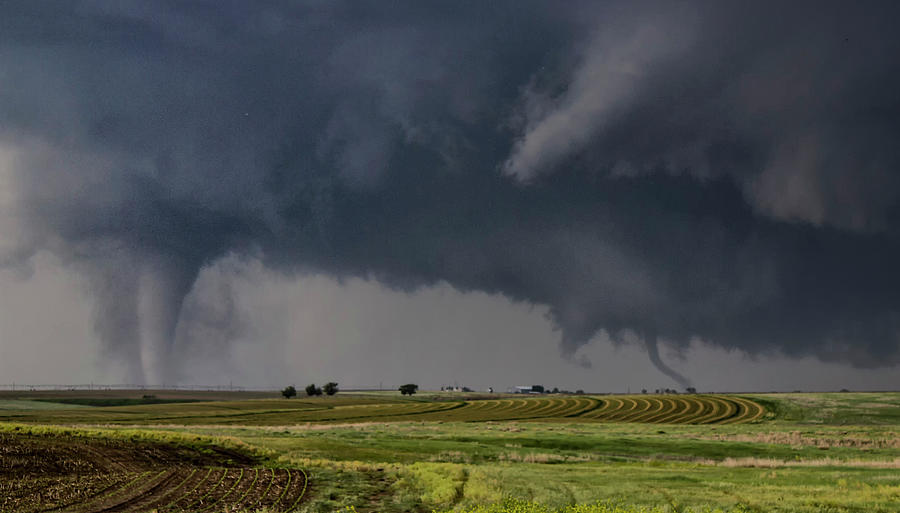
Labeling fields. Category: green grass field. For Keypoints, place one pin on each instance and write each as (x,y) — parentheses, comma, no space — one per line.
(593,454)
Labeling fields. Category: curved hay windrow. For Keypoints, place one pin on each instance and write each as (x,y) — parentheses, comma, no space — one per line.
(651,409)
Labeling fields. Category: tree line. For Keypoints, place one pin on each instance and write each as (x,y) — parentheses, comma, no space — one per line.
(312,390)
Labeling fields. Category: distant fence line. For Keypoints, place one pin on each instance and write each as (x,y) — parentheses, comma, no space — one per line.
(132,386)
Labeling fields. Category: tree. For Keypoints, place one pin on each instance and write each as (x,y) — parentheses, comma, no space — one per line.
(691,390)
(330,388)
(409,389)
(312,390)
(289,391)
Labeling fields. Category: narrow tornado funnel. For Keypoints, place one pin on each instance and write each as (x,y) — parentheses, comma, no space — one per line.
(653,350)
(164,285)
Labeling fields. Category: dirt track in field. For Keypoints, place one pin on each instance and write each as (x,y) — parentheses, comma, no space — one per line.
(83,475)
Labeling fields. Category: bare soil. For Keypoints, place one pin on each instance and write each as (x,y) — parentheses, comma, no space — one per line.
(80,475)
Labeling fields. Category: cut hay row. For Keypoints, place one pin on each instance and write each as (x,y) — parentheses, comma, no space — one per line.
(521,408)
(684,411)
(368,413)
(583,405)
(656,406)
(613,408)
(609,404)
(652,409)
(473,410)
(488,407)
(727,411)
(618,410)
(666,407)
(624,413)
(751,410)
(632,406)
(566,407)
(710,410)
(545,407)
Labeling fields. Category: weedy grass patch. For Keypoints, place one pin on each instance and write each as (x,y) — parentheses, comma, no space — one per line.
(518,506)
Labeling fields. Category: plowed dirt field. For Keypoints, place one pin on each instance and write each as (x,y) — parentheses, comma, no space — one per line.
(85,475)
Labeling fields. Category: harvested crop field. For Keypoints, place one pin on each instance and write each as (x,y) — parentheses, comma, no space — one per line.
(645,409)
(93,475)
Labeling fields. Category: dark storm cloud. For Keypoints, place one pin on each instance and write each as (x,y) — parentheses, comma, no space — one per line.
(682,170)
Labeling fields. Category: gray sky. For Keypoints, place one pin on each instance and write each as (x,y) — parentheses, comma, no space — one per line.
(498,194)
(314,329)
